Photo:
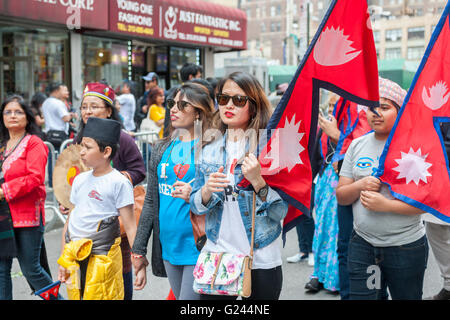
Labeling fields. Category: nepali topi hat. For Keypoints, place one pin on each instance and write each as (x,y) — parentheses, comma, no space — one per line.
(105,130)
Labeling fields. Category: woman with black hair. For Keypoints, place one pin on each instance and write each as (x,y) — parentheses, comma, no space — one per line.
(166,211)
(243,110)
(23,158)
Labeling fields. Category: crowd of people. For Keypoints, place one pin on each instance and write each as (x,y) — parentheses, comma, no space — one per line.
(356,223)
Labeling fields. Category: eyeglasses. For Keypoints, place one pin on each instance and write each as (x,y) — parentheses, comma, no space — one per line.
(238,101)
(180,104)
(17,113)
(92,108)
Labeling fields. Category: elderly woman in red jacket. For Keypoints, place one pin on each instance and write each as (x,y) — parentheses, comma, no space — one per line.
(23,156)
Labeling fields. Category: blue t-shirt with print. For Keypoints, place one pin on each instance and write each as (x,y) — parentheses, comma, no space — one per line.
(177,239)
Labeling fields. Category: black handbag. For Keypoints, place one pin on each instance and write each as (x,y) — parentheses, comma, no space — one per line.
(56,137)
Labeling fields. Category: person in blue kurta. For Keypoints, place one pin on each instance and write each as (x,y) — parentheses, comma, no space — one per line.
(166,209)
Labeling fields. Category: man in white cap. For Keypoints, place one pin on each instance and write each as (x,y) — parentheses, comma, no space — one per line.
(151,81)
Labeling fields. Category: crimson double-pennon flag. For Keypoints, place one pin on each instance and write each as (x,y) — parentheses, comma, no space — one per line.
(341,59)
(415,161)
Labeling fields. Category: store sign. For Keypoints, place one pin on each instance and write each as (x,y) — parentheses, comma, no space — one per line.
(75,14)
(132,17)
(209,25)
(187,21)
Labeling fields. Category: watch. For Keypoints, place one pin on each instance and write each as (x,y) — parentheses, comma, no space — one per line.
(262,193)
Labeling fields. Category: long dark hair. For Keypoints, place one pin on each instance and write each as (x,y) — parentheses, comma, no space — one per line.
(199,96)
(30,128)
(259,106)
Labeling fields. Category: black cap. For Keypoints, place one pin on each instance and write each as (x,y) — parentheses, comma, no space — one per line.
(105,130)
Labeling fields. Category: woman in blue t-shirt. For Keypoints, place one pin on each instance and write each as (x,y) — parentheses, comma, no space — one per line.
(166,209)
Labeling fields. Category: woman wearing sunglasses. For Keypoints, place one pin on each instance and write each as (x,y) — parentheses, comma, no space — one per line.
(243,110)
(166,208)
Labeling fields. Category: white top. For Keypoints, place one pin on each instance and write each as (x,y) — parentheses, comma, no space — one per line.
(232,236)
(53,111)
(95,199)
(127,109)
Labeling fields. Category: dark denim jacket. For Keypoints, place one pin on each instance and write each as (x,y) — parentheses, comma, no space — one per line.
(268,214)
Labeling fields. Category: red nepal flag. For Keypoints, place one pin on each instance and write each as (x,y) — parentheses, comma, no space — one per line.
(415,163)
(50,292)
(341,59)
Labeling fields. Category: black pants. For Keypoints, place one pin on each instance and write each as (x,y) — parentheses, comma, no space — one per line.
(266,285)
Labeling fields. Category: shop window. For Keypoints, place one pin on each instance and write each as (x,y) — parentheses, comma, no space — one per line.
(178,57)
(31,60)
(105,59)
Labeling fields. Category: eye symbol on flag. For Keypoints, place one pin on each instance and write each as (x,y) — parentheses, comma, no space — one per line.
(334,48)
(437,97)
(286,146)
(364,163)
(413,166)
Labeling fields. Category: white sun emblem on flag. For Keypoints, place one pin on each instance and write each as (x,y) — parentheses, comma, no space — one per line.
(413,166)
(286,147)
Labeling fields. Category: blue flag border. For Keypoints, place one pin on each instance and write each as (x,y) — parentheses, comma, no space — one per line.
(437,31)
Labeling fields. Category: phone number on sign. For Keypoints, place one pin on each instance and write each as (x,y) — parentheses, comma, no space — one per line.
(134,29)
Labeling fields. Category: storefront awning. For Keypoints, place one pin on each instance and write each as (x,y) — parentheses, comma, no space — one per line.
(186,21)
(193,22)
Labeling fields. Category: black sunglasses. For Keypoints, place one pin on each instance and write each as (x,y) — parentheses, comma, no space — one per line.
(180,104)
(238,101)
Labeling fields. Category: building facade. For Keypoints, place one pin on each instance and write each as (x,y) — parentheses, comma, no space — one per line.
(403,28)
(274,29)
(75,42)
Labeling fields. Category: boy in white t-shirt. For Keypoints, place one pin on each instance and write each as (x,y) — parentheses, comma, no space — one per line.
(91,253)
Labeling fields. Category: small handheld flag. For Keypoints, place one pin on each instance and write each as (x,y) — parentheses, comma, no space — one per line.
(50,292)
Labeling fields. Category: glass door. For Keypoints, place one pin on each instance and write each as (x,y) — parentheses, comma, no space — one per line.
(16,77)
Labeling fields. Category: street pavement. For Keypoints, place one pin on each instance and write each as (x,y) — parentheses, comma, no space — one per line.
(295,275)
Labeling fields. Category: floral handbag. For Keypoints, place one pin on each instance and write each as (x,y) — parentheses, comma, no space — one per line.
(222,273)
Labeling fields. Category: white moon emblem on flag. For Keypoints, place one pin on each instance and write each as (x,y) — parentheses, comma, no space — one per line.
(439,95)
(286,146)
(334,48)
(413,166)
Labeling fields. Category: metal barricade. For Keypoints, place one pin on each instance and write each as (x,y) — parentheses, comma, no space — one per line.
(65,144)
(143,139)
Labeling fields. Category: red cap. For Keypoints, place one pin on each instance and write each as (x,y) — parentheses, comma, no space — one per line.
(101,91)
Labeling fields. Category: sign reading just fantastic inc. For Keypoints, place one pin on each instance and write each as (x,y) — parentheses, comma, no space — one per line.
(187,21)
(75,14)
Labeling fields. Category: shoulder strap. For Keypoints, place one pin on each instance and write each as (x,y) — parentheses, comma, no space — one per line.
(253,225)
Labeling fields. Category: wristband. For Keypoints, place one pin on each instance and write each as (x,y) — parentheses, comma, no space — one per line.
(137,256)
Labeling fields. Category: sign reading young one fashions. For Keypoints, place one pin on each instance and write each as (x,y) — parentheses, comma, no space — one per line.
(133,17)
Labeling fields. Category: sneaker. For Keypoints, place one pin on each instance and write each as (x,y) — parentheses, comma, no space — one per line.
(442,295)
(299,257)
(311,260)
(314,285)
